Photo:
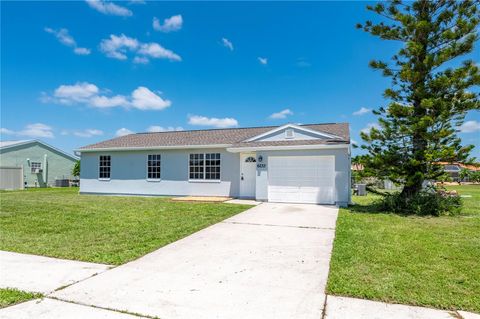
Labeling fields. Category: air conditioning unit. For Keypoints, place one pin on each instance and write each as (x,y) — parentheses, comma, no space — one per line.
(38,170)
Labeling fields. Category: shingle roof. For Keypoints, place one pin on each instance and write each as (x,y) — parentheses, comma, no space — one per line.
(8,145)
(13,143)
(233,136)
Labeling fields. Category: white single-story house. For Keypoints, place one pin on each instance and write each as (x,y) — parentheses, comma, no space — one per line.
(289,163)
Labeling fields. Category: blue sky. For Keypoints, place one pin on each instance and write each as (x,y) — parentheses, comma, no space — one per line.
(74,73)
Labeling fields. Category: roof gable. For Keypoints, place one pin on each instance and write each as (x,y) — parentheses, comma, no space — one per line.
(297,133)
(7,145)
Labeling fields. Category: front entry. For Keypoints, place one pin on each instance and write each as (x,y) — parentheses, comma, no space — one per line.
(248,168)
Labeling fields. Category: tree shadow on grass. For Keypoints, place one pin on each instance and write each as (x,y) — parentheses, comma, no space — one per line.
(370,208)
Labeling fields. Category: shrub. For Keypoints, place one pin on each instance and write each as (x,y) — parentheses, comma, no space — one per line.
(431,201)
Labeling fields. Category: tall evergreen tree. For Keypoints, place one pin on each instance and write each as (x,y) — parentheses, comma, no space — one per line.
(429,94)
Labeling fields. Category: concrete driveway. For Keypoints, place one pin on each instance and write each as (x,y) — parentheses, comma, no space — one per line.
(269,262)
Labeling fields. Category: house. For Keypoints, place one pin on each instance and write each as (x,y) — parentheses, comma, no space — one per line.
(453,170)
(32,163)
(289,163)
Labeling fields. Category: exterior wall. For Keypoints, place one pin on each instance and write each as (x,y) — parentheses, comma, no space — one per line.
(342,171)
(58,165)
(129,174)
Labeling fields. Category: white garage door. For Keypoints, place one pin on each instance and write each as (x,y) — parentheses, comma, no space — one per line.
(301,179)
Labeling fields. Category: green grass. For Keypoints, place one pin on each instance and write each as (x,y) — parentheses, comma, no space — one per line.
(11,296)
(427,261)
(103,229)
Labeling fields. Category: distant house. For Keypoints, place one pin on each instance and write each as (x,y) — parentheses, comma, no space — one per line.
(289,163)
(32,163)
(453,169)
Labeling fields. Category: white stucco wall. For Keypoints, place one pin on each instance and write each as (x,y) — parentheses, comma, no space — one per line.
(129,172)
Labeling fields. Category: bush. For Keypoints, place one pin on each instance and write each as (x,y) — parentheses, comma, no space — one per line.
(428,202)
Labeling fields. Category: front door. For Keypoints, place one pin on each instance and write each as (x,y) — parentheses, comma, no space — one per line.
(248,168)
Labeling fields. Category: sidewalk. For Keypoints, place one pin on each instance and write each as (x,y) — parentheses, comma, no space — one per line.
(43,274)
(353,308)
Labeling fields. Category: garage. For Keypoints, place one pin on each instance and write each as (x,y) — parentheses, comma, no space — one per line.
(301,179)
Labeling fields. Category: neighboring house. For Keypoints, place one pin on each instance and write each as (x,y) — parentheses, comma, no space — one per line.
(453,169)
(290,163)
(39,163)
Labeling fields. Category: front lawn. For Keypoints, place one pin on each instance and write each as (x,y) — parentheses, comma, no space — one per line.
(103,229)
(11,296)
(428,261)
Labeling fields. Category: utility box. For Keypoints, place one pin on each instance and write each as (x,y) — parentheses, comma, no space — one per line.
(62,183)
(361,189)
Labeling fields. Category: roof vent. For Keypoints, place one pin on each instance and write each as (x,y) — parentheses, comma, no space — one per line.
(289,133)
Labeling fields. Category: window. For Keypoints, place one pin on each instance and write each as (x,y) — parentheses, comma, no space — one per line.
(153,166)
(104,167)
(34,166)
(204,166)
(289,133)
(250,159)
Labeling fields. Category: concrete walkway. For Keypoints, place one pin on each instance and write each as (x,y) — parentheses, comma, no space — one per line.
(51,309)
(271,261)
(353,308)
(43,274)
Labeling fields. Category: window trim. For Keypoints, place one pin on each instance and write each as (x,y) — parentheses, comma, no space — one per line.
(204,180)
(149,179)
(105,179)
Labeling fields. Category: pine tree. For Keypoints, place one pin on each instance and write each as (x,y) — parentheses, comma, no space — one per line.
(429,94)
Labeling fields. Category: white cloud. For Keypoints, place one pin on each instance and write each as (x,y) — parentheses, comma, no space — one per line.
(213,121)
(470,127)
(86,93)
(88,132)
(102,101)
(117,46)
(362,111)
(81,51)
(81,92)
(281,115)
(263,61)
(156,128)
(174,23)
(35,130)
(140,60)
(6,131)
(66,39)
(144,99)
(123,131)
(303,63)
(226,43)
(369,127)
(109,8)
(155,50)
(63,36)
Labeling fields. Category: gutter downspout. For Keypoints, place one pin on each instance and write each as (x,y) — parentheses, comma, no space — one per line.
(45,175)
